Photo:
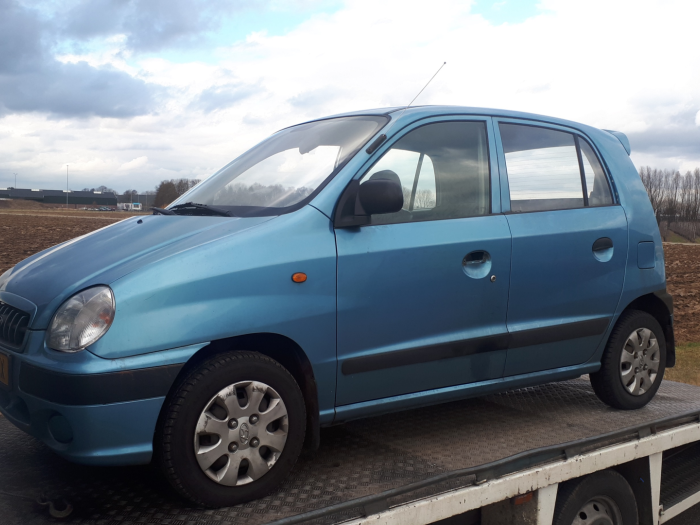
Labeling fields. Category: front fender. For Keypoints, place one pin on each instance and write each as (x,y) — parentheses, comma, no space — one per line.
(233,286)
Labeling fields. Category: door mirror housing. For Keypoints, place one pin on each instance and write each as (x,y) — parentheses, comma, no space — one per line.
(360,201)
(379,196)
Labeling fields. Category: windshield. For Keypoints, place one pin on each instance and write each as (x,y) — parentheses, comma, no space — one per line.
(281,173)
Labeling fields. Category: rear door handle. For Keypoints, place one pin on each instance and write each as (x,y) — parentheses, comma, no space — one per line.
(604,243)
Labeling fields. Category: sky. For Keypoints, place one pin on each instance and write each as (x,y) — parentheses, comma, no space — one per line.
(128,93)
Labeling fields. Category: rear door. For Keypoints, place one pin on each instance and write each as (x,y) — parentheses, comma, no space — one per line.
(569,245)
(422,293)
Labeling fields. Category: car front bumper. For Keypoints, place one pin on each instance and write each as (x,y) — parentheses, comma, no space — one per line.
(88,409)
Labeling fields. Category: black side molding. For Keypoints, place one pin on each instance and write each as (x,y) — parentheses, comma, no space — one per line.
(424,354)
(97,389)
(427,354)
(562,332)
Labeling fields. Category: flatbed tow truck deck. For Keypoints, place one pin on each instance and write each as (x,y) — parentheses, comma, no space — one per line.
(417,466)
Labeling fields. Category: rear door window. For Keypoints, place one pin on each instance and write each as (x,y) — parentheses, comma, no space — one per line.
(551,170)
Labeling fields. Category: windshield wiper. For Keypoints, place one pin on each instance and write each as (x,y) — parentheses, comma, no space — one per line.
(213,210)
(161,211)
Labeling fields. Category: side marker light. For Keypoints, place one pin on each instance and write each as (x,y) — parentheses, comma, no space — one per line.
(299,277)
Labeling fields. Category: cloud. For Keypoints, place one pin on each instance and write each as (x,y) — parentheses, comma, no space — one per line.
(78,90)
(20,39)
(668,133)
(32,80)
(675,142)
(149,25)
(190,117)
(222,97)
(697,119)
(134,164)
(315,98)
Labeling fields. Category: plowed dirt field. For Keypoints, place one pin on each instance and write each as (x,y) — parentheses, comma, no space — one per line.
(683,281)
(23,233)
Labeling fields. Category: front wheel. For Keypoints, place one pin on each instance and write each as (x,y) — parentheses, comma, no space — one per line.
(633,363)
(232,431)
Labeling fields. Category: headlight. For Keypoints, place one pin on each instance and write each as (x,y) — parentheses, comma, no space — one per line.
(82,320)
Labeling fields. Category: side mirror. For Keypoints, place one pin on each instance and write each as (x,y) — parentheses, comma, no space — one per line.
(360,201)
(380,196)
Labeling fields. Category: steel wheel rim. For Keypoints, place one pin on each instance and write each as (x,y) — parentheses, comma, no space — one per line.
(599,510)
(639,362)
(241,433)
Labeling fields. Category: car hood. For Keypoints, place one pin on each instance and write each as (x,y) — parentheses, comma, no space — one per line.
(48,278)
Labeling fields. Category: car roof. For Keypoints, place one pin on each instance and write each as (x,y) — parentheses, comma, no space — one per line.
(402,115)
(417,112)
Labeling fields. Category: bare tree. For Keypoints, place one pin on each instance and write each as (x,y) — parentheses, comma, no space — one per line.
(169,190)
(675,199)
(424,199)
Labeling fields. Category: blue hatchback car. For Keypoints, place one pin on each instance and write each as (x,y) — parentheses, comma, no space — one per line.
(345,267)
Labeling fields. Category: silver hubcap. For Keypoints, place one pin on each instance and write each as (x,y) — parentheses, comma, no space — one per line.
(241,433)
(599,511)
(639,363)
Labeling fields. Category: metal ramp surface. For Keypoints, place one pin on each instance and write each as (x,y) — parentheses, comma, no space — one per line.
(358,459)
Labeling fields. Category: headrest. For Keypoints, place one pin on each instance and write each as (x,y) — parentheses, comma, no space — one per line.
(386,175)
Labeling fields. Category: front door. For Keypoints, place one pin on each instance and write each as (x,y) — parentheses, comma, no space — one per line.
(422,293)
(569,247)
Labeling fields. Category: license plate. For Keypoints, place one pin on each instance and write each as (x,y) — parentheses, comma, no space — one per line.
(4,370)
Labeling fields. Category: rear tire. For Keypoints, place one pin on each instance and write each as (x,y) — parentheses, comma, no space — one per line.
(633,363)
(603,498)
(232,430)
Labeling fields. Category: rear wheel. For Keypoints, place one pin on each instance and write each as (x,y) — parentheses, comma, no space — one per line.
(603,498)
(233,430)
(633,363)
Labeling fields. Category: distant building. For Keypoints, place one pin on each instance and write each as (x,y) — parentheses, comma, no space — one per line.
(129,206)
(147,200)
(73,198)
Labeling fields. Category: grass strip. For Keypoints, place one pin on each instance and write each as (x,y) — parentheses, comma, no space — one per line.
(687,369)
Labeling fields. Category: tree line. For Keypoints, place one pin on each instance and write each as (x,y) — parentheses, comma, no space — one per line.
(169,190)
(675,199)
(165,192)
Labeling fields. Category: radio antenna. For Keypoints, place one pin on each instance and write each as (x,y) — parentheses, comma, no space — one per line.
(421,91)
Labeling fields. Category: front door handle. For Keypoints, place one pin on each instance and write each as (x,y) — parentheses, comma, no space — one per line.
(477,257)
(477,264)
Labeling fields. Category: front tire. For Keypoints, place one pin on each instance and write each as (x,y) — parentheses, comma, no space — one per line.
(633,363)
(232,431)
(603,498)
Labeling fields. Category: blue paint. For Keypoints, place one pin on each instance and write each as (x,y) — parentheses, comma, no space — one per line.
(455,393)
(604,255)
(401,286)
(181,282)
(477,264)
(645,255)
(116,434)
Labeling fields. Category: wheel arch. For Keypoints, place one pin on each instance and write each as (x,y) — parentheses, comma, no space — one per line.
(275,346)
(660,306)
